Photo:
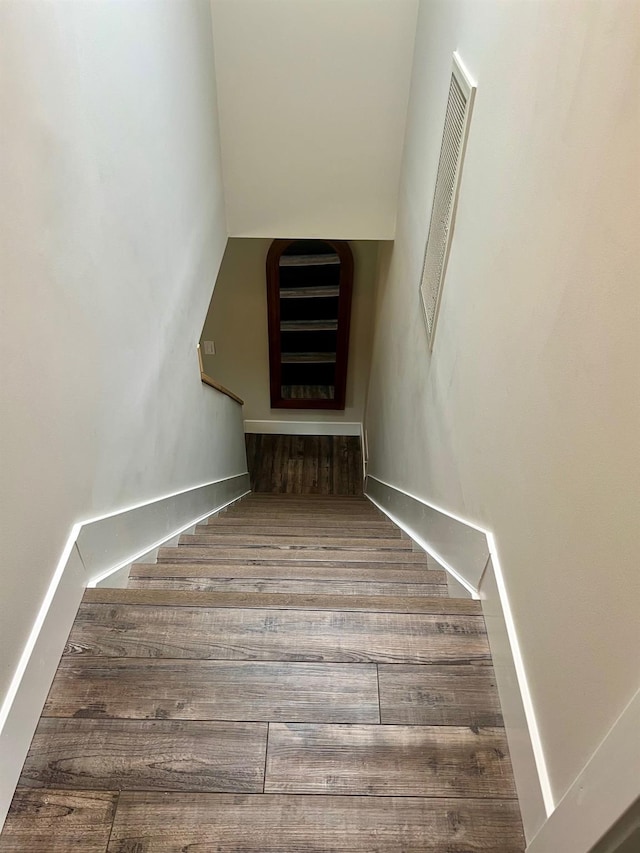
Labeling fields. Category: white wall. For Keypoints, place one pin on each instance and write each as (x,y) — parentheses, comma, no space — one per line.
(313,97)
(237,324)
(113,228)
(525,419)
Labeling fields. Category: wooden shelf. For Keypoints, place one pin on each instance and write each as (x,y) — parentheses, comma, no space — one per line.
(308,325)
(308,392)
(309,292)
(308,260)
(308,358)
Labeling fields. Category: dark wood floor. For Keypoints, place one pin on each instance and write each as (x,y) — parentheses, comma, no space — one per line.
(290,678)
(305,464)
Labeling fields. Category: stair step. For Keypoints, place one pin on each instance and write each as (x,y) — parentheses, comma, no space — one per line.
(260,585)
(199,632)
(328,518)
(348,572)
(249,556)
(242,540)
(308,504)
(283,601)
(318,519)
(223,527)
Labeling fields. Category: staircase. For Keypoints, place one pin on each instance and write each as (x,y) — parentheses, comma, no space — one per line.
(291,677)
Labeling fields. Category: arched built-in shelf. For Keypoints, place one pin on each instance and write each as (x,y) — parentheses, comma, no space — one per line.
(309,287)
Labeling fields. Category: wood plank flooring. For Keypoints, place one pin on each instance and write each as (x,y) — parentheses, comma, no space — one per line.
(305,464)
(292,677)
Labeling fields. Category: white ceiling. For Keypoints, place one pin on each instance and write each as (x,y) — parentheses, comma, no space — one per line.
(312,97)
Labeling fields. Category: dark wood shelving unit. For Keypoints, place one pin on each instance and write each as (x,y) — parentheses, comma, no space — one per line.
(309,287)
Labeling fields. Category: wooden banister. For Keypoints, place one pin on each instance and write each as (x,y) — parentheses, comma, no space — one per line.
(207,380)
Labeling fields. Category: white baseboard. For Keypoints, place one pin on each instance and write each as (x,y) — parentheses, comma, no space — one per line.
(521,751)
(464,549)
(23,705)
(97,551)
(458,546)
(607,787)
(292,427)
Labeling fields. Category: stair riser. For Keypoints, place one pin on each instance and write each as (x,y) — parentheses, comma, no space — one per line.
(248,556)
(351,572)
(222,528)
(231,540)
(296,587)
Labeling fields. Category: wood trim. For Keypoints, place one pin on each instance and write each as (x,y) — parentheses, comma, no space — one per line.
(207,380)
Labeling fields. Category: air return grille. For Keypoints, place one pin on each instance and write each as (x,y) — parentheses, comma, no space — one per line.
(456,128)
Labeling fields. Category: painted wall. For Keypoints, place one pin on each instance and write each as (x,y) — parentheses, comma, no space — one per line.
(113,228)
(526,417)
(313,97)
(237,324)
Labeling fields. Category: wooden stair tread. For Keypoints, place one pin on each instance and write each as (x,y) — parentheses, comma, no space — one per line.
(369,603)
(301,542)
(218,633)
(316,571)
(219,527)
(306,587)
(255,556)
(278,520)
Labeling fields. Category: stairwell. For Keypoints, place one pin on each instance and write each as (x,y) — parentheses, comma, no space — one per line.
(291,677)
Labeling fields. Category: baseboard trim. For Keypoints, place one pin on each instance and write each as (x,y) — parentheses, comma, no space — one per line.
(290,427)
(608,785)
(524,749)
(456,544)
(95,549)
(469,554)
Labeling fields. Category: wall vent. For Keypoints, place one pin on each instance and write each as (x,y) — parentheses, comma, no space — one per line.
(456,128)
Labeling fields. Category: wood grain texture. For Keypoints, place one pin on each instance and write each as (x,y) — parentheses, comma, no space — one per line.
(156,823)
(277,520)
(457,695)
(423,761)
(289,587)
(47,821)
(231,527)
(323,465)
(248,556)
(149,755)
(117,630)
(352,572)
(246,540)
(213,690)
(284,601)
